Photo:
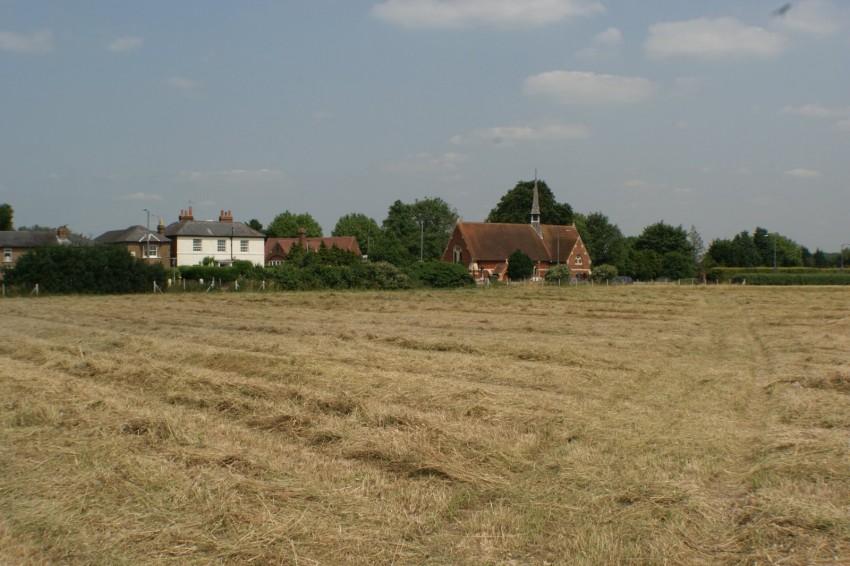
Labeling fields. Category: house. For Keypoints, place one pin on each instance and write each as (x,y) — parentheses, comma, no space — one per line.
(278,248)
(16,243)
(484,247)
(142,243)
(224,240)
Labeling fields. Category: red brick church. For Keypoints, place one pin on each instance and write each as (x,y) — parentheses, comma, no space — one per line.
(484,247)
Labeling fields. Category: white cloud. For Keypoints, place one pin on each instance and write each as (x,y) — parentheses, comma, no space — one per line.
(124,44)
(455,14)
(804,173)
(140,197)
(232,176)
(185,86)
(816,17)
(38,42)
(816,111)
(510,135)
(427,163)
(573,87)
(605,45)
(704,38)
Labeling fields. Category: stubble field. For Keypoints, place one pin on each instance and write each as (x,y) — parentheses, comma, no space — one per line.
(484,426)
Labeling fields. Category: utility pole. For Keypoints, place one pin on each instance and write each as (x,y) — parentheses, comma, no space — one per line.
(148,225)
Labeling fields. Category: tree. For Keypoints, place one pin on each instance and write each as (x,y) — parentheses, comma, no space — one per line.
(255,224)
(604,241)
(663,238)
(423,228)
(515,206)
(287,224)
(676,265)
(6,214)
(520,266)
(362,227)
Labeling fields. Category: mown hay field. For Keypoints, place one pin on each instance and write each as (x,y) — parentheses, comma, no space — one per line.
(603,425)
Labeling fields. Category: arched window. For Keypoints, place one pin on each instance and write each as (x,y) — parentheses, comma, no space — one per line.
(456,254)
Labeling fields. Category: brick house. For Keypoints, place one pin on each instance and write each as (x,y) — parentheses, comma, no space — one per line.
(278,248)
(16,243)
(152,247)
(223,240)
(484,247)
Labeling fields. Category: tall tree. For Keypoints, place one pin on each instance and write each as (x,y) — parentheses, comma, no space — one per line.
(6,214)
(515,206)
(255,225)
(423,228)
(287,224)
(362,227)
(663,238)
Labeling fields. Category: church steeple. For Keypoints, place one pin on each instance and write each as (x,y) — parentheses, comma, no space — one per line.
(535,209)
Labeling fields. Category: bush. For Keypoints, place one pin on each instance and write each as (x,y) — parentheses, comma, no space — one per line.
(101,269)
(558,273)
(604,272)
(439,274)
(520,266)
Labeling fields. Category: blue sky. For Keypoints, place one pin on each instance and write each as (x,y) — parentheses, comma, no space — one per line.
(722,115)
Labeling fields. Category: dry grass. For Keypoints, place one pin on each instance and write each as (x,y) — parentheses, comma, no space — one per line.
(500,426)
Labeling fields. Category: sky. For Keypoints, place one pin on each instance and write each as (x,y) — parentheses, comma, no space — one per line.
(721,115)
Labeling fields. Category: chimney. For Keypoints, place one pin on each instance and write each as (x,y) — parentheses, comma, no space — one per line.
(160,228)
(62,233)
(186,215)
(225,216)
(302,238)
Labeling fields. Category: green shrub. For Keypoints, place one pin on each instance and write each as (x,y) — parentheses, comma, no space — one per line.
(604,272)
(439,274)
(101,269)
(558,273)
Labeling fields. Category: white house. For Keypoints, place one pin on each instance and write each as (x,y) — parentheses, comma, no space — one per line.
(225,240)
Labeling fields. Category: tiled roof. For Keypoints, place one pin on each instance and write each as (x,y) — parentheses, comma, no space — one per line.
(210,228)
(37,239)
(132,234)
(281,246)
(493,241)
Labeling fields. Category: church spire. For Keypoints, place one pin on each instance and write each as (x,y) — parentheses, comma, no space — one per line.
(535,208)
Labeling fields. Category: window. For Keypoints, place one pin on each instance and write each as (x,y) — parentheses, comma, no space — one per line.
(578,260)
(7,255)
(196,245)
(456,254)
(222,245)
(243,246)
(151,250)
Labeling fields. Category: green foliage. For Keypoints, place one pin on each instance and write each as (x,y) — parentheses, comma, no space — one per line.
(791,278)
(663,238)
(6,214)
(644,265)
(209,272)
(439,274)
(558,273)
(520,266)
(604,272)
(85,269)
(255,224)
(287,224)
(515,206)
(758,250)
(421,229)
(362,227)
(361,275)
(676,265)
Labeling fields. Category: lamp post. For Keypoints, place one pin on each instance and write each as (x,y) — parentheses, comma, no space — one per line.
(148,225)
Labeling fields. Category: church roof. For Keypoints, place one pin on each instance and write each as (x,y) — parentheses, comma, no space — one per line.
(494,241)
